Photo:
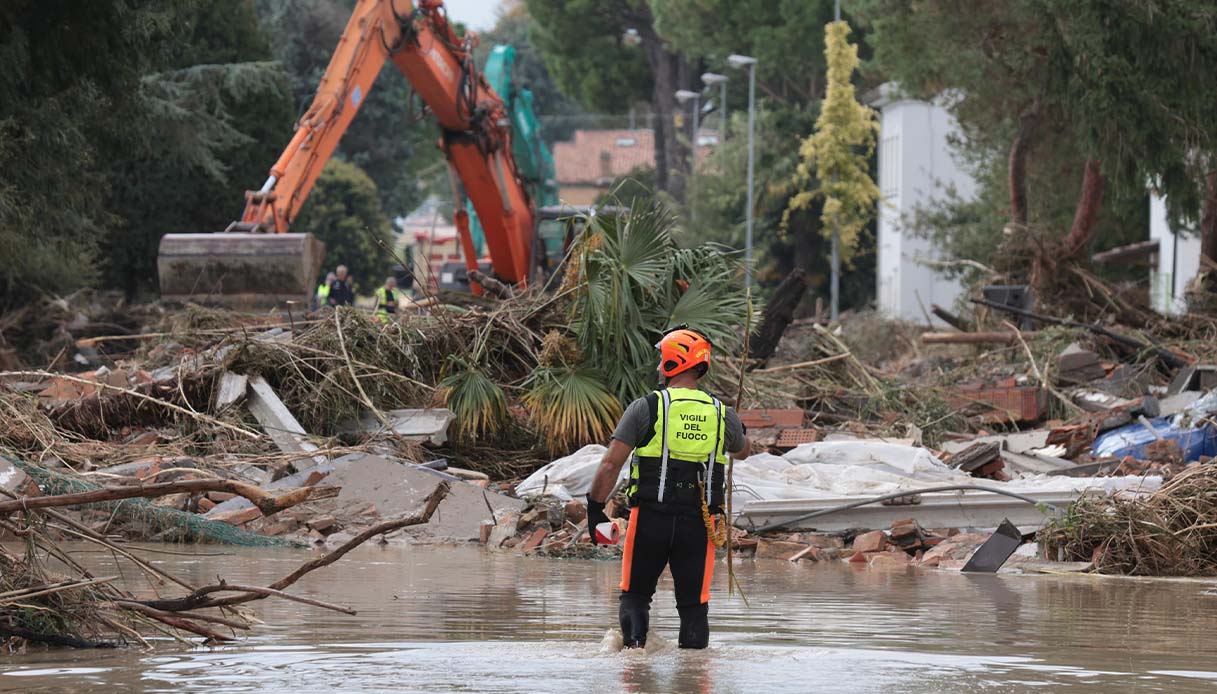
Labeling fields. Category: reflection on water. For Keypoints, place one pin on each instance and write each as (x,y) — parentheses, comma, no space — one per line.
(437,620)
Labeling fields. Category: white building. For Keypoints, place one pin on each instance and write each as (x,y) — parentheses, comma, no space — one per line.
(1178,260)
(916,169)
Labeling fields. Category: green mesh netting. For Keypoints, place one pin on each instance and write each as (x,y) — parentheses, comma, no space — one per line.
(156,521)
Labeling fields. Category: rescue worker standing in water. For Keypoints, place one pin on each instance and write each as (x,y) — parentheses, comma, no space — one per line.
(680,436)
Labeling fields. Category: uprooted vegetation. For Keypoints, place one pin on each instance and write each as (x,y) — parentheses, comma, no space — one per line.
(1171,532)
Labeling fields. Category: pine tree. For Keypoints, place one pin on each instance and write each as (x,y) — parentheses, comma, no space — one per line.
(835,158)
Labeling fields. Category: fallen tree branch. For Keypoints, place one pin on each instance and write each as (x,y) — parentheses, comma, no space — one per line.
(7,630)
(267,503)
(173,605)
(491,285)
(135,606)
(800,365)
(199,598)
(1168,357)
(346,357)
(94,341)
(134,393)
(969,338)
(39,591)
(950,318)
(173,620)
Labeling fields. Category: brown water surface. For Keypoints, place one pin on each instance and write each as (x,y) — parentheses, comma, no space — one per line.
(461,620)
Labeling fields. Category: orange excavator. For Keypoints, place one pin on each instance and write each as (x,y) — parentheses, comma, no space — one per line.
(259,261)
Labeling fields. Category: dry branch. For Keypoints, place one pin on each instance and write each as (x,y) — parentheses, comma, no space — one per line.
(199,598)
(136,394)
(267,503)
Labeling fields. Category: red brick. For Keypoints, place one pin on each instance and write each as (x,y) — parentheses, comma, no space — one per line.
(322,523)
(575,511)
(760,419)
(874,541)
(883,560)
(789,438)
(778,549)
(534,540)
(239,516)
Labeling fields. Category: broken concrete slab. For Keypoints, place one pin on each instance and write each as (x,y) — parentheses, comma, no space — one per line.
(280,424)
(231,390)
(429,425)
(393,488)
(1174,404)
(972,509)
(397,489)
(1017,442)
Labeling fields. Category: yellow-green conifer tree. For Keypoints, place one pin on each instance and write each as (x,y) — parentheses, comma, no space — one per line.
(835,157)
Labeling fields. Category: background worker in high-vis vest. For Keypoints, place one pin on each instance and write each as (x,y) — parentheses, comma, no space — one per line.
(680,436)
(386,298)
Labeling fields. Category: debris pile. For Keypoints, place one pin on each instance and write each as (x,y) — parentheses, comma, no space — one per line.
(876,443)
(1172,532)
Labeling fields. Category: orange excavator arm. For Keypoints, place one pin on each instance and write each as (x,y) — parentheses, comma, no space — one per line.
(476,135)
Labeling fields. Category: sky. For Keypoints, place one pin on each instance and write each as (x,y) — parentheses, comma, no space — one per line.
(478,15)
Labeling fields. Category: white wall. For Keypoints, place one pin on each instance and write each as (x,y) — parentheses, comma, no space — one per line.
(916,168)
(1178,260)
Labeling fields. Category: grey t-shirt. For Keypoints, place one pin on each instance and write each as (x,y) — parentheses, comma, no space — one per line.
(637,425)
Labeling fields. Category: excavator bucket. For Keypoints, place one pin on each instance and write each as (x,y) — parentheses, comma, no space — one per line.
(239,269)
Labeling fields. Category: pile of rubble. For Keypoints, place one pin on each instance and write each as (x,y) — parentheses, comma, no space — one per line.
(205,425)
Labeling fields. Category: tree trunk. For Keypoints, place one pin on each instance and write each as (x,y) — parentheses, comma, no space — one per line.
(1017,166)
(1089,203)
(779,311)
(660,126)
(671,156)
(1208,218)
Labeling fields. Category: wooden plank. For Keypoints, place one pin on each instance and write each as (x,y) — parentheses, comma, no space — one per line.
(232,389)
(280,424)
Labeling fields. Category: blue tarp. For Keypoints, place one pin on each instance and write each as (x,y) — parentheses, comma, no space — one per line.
(1193,429)
(1131,440)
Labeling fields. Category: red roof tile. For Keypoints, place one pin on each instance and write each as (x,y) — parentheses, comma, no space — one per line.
(597,157)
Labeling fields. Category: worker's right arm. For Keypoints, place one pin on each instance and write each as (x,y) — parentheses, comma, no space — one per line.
(610,467)
(602,485)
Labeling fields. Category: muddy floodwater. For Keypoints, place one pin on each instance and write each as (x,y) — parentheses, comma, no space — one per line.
(460,620)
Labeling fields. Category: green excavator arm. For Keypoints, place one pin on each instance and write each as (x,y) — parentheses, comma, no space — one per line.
(533,159)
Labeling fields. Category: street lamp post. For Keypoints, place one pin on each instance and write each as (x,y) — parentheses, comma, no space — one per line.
(684,96)
(835,285)
(738,62)
(710,79)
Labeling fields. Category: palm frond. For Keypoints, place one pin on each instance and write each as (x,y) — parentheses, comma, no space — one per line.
(479,403)
(635,283)
(570,407)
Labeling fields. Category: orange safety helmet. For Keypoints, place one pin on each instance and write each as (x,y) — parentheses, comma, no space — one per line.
(682,349)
